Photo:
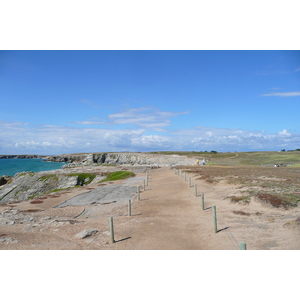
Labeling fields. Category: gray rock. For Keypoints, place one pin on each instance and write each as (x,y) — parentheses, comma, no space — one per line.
(87,232)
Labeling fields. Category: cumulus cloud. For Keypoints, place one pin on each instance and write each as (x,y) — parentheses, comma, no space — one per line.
(50,139)
(144,117)
(222,139)
(284,133)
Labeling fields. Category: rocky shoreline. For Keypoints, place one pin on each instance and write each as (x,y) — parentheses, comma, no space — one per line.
(81,169)
(21,156)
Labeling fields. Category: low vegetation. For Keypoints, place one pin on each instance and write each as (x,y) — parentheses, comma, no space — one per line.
(255,158)
(83,178)
(118,175)
(280,187)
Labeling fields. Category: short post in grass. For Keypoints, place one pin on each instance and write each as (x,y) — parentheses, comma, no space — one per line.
(243,246)
(111,227)
(195,187)
(214,213)
(129,207)
(138,191)
(202,196)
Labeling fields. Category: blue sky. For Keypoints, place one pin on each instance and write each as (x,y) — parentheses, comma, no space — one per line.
(55,102)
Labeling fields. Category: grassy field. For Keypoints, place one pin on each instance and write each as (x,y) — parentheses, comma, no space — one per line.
(277,186)
(257,158)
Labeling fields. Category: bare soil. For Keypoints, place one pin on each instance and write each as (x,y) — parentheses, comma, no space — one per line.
(169,215)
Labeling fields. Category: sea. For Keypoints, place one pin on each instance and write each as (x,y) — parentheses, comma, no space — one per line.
(12,166)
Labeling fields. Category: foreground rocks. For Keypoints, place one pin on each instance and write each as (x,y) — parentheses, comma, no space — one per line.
(26,185)
(86,232)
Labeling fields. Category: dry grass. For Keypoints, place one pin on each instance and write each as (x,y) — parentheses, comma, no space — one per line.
(277,186)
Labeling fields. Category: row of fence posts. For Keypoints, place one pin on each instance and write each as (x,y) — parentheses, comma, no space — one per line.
(214,209)
(111,219)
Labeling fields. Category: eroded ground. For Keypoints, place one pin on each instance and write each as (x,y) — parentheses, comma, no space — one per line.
(169,215)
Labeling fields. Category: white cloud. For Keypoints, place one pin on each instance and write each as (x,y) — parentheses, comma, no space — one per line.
(50,139)
(284,133)
(286,94)
(144,117)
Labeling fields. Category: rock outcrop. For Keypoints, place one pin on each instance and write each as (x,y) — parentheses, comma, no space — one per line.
(121,159)
(26,185)
(29,156)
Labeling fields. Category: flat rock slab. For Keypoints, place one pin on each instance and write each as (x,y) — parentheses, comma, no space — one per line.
(102,195)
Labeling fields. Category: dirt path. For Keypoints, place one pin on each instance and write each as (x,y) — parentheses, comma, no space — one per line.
(168,217)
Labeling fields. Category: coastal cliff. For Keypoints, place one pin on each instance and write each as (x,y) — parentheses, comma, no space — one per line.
(29,156)
(121,159)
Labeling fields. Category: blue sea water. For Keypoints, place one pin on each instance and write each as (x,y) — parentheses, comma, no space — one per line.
(14,165)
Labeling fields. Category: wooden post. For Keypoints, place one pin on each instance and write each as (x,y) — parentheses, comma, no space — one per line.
(189,181)
(147,178)
(144,185)
(129,207)
(111,226)
(214,212)
(138,191)
(202,201)
(195,186)
(243,246)
(184,176)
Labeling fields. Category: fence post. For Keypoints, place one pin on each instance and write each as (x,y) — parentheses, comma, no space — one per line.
(144,185)
(243,246)
(111,226)
(138,191)
(195,186)
(214,212)
(129,207)
(184,176)
(202,195)
(189,181)
(147,178)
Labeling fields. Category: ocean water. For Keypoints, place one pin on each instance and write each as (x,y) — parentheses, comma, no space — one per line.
(14,165)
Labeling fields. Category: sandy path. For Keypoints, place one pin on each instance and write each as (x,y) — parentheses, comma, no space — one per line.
(168,217)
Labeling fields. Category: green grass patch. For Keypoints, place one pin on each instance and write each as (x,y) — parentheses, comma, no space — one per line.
(47,177)
(83,178)
(118,175)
